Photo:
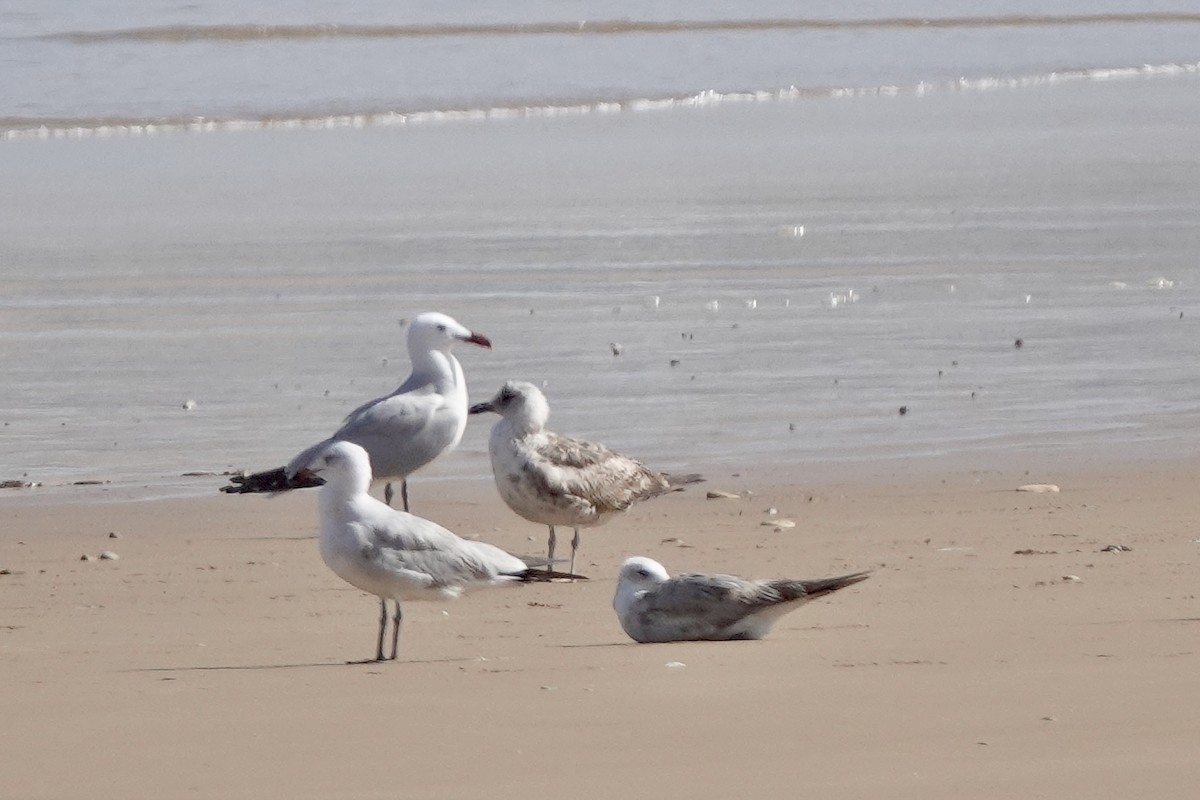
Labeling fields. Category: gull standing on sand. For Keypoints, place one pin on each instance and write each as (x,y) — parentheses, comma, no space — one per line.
(654,607)
(555,480)
(403,431)
(395,555)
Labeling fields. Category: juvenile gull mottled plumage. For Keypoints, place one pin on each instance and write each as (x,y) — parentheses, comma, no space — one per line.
(395,555)
(405,430)
(556,480)
(654,607)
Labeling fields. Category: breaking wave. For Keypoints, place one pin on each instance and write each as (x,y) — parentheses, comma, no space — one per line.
(70,127)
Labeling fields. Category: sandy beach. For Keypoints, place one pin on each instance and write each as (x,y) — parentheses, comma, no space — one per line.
(208,661)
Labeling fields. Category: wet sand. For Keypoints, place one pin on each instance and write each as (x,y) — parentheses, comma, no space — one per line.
(208,661)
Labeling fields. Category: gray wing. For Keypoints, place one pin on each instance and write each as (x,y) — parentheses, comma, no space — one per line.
(412,384)
(603,477)
(436,556)
(693,606)
(401,432)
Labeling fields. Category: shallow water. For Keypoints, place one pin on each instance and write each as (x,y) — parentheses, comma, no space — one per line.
(880,240)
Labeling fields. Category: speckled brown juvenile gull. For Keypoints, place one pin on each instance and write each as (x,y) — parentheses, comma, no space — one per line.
(395,555)
(654,607)
(556,480)
(403,431)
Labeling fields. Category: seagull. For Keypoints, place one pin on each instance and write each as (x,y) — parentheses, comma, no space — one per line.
(654,607)
(395,555)
(555,480)
(403,431)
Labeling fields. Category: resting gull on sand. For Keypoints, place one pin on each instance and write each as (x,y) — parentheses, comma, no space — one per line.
(403,431)
(654,607)
(555,480)
(395,555)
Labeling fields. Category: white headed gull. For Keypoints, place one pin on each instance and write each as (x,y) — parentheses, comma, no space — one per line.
(395,555)
(654,607)
(405,430)
(555,480)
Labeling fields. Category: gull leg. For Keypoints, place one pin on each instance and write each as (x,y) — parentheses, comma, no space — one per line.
(387,493)
(383,618)
(550,548)
(396,630)
(574,547)
(404,492)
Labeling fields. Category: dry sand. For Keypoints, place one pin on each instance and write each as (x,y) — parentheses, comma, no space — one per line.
(208,661)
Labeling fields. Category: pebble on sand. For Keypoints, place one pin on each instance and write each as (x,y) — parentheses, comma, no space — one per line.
(1039,488)
(188,405)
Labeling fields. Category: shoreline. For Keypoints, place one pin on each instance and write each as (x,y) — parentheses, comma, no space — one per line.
(1088,456)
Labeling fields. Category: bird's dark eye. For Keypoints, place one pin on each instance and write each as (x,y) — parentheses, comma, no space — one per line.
(643,572)
(441,328)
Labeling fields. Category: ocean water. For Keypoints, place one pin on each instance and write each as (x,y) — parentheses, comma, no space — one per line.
(116,64)
(820,219)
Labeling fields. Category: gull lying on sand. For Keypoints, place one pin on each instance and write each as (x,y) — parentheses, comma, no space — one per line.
(555,480)
(405,430)
(654,607)
(395,555)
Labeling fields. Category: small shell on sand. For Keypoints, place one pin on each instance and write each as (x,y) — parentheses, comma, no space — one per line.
(779,524)
(1072,579)
(718,495)
(1040,488)
(86,557)
(109,555)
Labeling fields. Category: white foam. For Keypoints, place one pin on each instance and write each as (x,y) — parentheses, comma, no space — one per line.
(82,129)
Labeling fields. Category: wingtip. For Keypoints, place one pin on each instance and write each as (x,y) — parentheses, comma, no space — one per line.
(677,482)
(538,575)
(270,481)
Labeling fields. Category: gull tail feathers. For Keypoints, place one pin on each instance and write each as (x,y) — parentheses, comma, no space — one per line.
(811,590)
(272,480)
(538,575)
(677,483)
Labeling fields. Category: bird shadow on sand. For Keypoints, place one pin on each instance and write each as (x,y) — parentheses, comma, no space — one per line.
(300,665)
